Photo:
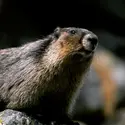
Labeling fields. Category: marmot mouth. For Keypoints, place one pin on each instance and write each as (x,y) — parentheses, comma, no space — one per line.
(83,50)
(81,55)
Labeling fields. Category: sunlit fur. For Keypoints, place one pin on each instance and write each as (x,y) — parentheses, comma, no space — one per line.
(43,76)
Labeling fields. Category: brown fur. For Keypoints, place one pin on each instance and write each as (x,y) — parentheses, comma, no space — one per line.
(44,76)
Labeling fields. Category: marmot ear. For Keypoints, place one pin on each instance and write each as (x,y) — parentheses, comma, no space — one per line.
(57,32)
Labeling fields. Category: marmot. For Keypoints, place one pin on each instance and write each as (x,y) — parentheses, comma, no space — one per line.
(44,76)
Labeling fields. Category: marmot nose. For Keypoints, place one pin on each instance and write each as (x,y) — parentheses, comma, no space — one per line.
(90,41)
(92,38)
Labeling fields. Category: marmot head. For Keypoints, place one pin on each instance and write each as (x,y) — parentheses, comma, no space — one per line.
(72,43)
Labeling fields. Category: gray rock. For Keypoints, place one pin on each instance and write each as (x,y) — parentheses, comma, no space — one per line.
(11,117)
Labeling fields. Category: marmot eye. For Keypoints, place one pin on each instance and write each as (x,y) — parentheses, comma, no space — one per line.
(73,32)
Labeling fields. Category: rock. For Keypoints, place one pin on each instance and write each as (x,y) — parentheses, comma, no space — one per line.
(11,117)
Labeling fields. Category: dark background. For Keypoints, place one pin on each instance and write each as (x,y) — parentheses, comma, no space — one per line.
(24,20)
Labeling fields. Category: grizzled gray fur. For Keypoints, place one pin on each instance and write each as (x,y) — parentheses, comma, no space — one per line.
(43,77)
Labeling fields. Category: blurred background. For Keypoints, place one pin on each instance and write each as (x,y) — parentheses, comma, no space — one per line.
(102,98)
